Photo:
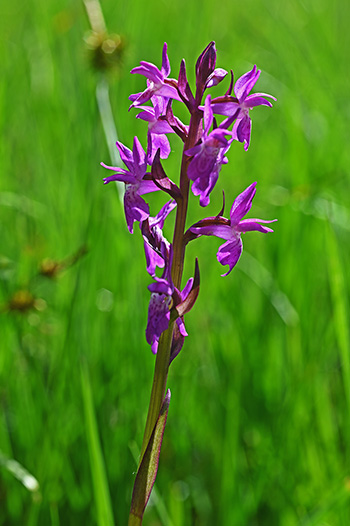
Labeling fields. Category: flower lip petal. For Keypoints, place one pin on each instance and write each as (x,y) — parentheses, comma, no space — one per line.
(229,253)
(158,318)
(135,208)
(242,130)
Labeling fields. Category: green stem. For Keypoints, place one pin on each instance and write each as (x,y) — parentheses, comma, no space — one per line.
(159,385)
(134,521)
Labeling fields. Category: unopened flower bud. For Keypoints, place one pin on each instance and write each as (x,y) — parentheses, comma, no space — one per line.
(205,65)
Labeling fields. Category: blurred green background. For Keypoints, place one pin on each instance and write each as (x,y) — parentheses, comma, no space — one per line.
(259,424)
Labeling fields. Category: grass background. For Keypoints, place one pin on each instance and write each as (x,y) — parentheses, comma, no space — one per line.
(258,430)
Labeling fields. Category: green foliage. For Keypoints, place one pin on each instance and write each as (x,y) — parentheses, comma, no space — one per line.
(259,425)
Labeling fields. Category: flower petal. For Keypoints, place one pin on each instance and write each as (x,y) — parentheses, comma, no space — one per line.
(146,186)
(225,108)
(245,84)
(221,231)
(242,130)
(126,178)
(161,286)
(153,260)
(160,126)
(242,204)
(203,163)
(150,71)
(135,208)
(160,141)
(216,77)
(147,114)
(162,214)
(158,316)
(257,100)
(125,155)
(208,115)
(168,91)
(140,164)
(143,97)
(229,253)
(249,225)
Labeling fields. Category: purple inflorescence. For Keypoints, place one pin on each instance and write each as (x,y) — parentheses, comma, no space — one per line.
(205,146)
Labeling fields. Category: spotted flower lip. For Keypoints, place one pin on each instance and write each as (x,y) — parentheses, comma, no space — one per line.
(136,182)
(231,229)
(242,102)
(208,155)
(157,81)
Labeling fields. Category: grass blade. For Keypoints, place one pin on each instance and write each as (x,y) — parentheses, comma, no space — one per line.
(98,471)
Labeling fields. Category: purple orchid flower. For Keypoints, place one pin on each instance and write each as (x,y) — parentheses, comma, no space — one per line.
(231,229)
(167,299)
(157,81)
(160,301)
(154,239)
(242,127)
(157,127)
(209,155)
(159,314)
(158,311)
(179,328)
(136,182)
